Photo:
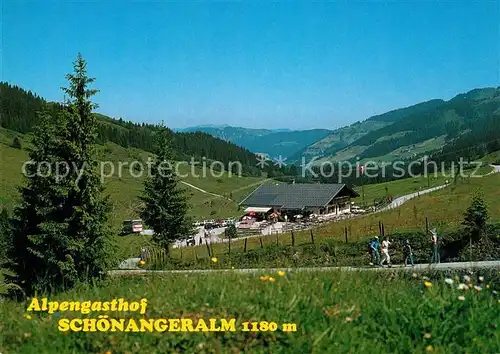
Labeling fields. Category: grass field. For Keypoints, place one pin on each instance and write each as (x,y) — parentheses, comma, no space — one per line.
(334,313)
(125,189)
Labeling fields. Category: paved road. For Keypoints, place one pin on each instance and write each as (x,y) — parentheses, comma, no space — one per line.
(417,267)
(401,200)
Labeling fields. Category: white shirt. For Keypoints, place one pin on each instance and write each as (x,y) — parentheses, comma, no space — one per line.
(385,245)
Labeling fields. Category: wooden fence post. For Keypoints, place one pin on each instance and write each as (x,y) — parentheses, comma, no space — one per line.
(195,254)
(181,251)
(293,238)
(246,239)
(260,239)
(379,228)
(345,229)
(208,249)
(312,236)
(383,230)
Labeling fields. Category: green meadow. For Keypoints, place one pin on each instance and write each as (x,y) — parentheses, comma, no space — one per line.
(334,312)
(124,188)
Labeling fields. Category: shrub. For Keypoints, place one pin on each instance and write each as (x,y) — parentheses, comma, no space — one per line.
(231,231)
(476,216)
(16,143)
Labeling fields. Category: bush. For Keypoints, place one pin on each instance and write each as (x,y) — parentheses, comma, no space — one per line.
(16,143)
(231,231)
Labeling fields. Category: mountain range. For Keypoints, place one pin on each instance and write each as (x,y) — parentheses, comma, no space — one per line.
(469,121)
(464,126)
(272,142)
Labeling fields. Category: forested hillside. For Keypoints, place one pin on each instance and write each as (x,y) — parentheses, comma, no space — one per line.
(343,137)
(465,126)
(282,142)
(452,118)
(18,112)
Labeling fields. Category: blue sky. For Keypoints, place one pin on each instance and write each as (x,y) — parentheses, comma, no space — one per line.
(254,64)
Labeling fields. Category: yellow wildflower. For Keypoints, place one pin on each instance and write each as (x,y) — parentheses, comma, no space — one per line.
(264,277)
(428,284)
(142,262)
(272,280)
(429,348)
(281,273)
(28,317)
(214,259)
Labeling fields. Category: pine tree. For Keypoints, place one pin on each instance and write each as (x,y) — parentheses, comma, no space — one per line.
(476,216)
(60,234)
(165,205)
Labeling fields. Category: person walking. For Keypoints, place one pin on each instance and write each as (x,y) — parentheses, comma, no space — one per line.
(435,247)
(385,252)
(408,254)
(374,248)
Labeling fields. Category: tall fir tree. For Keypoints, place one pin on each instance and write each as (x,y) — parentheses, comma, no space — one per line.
(60,231)
(164,204)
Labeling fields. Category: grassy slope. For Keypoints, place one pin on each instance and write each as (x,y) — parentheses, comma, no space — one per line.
(443,208)
(494,157)
(124,190)
(334,312)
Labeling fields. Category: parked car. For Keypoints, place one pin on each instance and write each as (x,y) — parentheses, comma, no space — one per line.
(131,227)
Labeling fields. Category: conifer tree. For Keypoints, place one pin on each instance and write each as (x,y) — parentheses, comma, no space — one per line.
(165,204)
(60,234)
(476,216)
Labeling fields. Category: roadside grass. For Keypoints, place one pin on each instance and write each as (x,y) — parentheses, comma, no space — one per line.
(405,186)
(335,312)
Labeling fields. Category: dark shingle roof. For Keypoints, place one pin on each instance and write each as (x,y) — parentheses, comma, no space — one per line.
(294,196)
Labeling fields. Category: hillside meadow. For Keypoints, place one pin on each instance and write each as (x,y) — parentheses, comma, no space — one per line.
(125,189)
(340,312)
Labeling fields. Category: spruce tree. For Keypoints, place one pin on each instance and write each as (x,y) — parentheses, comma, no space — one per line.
(476,216)
(60,234)
(164,204)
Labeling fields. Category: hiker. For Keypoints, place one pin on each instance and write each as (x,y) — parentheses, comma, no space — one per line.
(408,254)
(374,251)
(435,247)
(385,252)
